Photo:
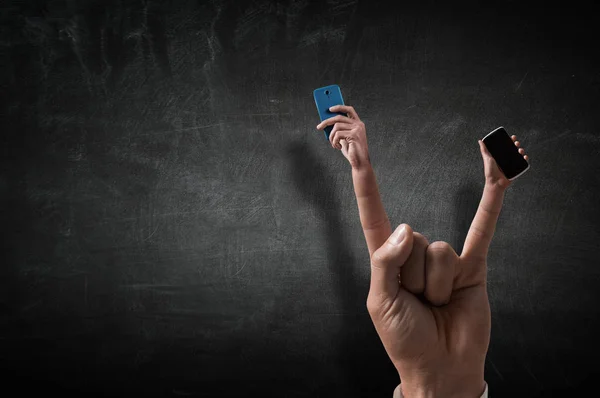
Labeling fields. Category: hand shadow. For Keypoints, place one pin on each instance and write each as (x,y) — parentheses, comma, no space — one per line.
(360,355)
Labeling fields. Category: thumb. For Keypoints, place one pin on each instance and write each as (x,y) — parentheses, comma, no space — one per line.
(387,261)
(484,151)
(344,144)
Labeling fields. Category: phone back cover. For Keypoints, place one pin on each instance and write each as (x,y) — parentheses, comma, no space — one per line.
(325,101)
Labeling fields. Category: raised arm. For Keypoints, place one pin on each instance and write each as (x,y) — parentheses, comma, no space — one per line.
(349,134)
(483,226)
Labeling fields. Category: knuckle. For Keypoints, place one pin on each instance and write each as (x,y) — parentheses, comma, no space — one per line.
(441,251)
(420,239)
(440,248)
(381,257)
(371,307)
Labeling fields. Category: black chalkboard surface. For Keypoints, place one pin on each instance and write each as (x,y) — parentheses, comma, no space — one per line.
(174,225)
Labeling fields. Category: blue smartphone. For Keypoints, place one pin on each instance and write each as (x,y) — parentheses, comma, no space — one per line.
(505,153)
(326,97)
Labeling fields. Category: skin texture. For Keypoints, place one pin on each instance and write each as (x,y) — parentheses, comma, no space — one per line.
(429,305)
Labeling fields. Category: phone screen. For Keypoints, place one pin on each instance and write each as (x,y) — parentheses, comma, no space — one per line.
(505,153)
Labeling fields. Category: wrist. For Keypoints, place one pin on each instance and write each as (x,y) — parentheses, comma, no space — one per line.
(452,386)
(360,160)
(475,391)
(496,185)
(363,167)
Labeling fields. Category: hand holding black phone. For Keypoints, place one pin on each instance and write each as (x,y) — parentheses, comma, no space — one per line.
(505,153)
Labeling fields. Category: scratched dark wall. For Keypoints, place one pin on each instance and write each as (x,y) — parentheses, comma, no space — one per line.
(174,225)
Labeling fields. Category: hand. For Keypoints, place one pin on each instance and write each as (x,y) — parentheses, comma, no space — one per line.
(493,174)
(430,306)
(348,134)
(431,310)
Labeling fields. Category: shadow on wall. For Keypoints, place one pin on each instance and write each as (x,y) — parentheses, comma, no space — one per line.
(359,352)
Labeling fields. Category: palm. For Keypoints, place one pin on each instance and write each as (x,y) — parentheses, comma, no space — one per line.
(436,335)
(469,316)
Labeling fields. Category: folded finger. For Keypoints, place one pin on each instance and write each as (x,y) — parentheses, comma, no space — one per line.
(336,128)
(342,134)
(333,120)
(412,273)
(440,267)
(345,109)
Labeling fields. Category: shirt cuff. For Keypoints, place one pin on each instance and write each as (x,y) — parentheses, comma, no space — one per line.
(398,392)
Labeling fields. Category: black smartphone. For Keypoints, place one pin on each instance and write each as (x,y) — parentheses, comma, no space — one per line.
(505,153)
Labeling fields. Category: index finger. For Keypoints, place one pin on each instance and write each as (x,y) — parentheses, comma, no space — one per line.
(333,120)
(345,109)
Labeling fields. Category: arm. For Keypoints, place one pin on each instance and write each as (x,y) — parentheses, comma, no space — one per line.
(349,134)
(373,218)
(483,226)
(416,326)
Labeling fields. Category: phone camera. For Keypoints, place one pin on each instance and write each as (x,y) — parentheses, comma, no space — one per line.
(327,92)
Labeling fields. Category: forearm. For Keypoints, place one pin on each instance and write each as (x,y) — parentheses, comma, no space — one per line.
(491,203)
(373,218)
(492,198)
(484,222)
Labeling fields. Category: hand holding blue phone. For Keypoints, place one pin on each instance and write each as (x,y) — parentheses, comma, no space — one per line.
(343,128)
(325,98)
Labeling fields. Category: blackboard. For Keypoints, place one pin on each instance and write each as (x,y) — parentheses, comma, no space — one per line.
(174,225)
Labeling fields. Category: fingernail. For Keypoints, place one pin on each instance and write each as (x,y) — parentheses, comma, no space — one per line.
(398,235)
